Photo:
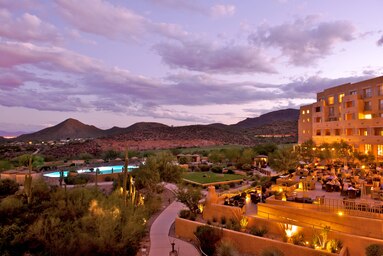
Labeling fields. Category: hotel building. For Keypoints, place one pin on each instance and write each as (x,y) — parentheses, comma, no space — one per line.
(351,112)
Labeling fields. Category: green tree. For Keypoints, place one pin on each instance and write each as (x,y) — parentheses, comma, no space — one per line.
(8,187)
(189,196)
(265,149)
(232,154)
(307,151)
(283,159)
(110,155)
(246,157)
(147,177)
(216,156)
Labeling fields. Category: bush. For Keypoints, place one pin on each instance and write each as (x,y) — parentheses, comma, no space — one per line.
(374,250)
(8,187)
(108,178)
(335,245)
(272,251)
(298,239)
(77,180)
(225,248)
(233,224)
(208,238)
(230,172)
(259,231)
(223,220)
(216,169)
(187,214)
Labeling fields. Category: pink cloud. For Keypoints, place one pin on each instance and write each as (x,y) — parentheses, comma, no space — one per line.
(26,28)
(114,22)
(221,10)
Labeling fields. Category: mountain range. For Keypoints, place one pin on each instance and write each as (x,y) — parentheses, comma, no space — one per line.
(275,127)
(283,121)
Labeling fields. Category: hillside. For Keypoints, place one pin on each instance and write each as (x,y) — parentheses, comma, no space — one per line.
(156,135)
(269,118)
(70,128)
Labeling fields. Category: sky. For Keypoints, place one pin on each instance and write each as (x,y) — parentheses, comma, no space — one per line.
(178,62)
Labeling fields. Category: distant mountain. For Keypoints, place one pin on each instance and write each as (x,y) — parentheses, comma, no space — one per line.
(10,134)
(269,118)
(246,132)
(70,128)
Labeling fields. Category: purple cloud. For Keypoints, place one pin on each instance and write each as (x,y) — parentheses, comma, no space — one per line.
(305,40)
(181,5)
(26,28)
(222,10)
(206,57)
(114,22)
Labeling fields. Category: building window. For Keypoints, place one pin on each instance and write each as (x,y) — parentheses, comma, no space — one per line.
(337,132)
(352,92)
(367,116)
(363,132)
(367,93)
(331,111)
(303,131)
(349,104)
(317,109)
(380,104)
(367,148)
(318,133)
(303,112)
(308,111)
(340,97)
(380,90)
(308,120)
(349,116)
(327,132)
(380,150)
(349,131)
(318,119)
(367,106)
(378,131)
(330,100)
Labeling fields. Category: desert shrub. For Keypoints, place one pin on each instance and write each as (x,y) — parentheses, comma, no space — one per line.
(233,224)
(230,171)
(272,251)
(225,187)
(246,167)
(216,169)
(298,239)
(225,248)
(184,214)
(223,220)
(374,250)
(77,180)
(8,187)
(204,167)
(335,245)
(208,238)
(259,231)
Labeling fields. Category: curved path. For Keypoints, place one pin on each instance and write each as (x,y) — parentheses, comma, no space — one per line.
(160,241)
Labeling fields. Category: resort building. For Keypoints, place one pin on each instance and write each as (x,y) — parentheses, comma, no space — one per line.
(351,112)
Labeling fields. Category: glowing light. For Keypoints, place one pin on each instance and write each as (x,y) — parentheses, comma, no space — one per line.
(290,230)
(200,208)
(340,213)
(367,116)
(244,221)
(363,166)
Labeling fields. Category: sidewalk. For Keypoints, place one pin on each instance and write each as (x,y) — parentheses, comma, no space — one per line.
(160,242)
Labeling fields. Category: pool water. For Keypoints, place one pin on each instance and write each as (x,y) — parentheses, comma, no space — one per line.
(102,169)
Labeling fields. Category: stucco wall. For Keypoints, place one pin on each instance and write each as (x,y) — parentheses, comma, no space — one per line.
(246,243)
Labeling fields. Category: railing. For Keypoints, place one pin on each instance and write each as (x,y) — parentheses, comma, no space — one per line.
(358,208)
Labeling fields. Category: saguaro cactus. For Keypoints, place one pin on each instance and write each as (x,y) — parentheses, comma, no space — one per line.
(28,182)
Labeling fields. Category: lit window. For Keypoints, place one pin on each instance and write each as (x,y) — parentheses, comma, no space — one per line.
(303,112)
(331,100)
(340,97)
(308,111)
(367,148)
(367,116)
(303,131)
(363,132)
(380,150)
(352,92)
(331,111)
(308,119)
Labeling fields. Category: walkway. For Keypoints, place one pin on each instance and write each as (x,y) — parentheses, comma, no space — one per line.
(160,241)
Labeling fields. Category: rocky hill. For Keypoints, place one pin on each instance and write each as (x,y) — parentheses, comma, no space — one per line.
(70,128)
(278,127)
(274,117)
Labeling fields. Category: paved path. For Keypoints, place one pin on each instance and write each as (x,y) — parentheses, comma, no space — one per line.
(160,242)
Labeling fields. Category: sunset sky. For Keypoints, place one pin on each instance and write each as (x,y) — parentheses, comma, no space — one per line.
(114,63)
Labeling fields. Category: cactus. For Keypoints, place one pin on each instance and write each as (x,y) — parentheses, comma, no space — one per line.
(125,174)
(97,171)
(28,182)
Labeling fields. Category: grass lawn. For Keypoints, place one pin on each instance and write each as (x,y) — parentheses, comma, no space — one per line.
(210,177)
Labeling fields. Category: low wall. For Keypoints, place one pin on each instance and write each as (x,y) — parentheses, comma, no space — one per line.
(246,243)
(218,211)
(348,224)
(20,177)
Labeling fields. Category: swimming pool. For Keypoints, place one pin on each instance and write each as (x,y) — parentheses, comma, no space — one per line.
(102,169)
